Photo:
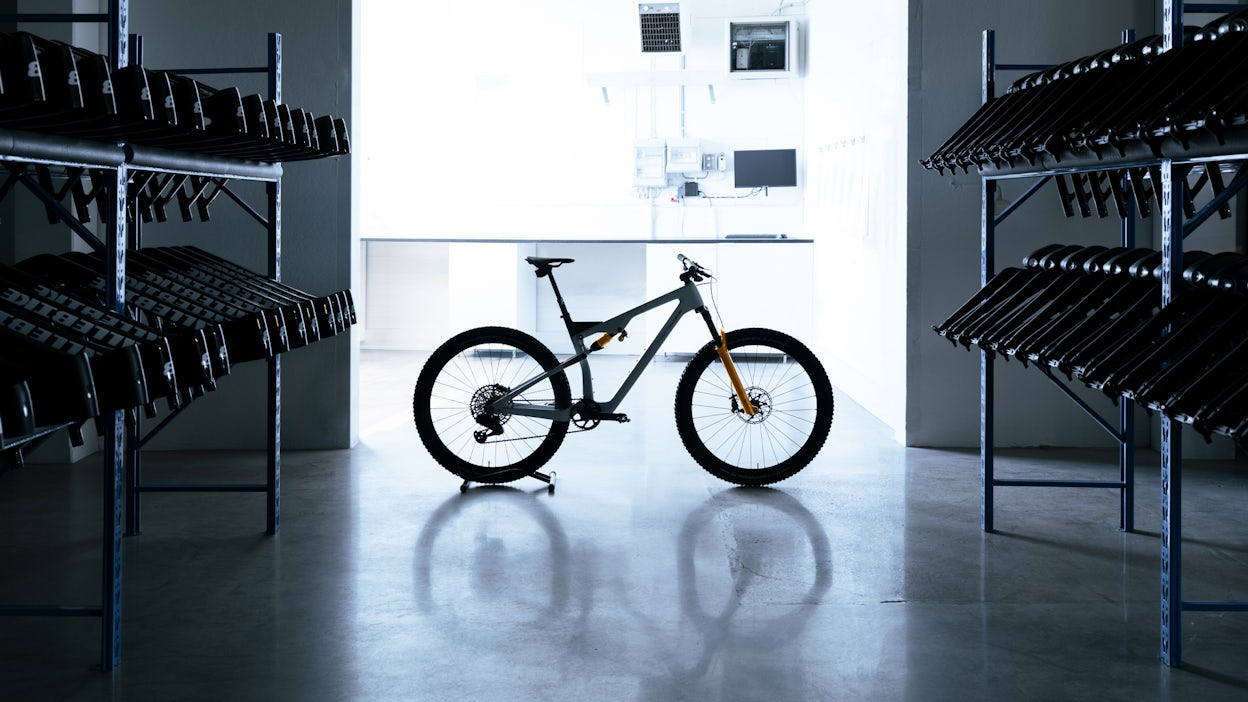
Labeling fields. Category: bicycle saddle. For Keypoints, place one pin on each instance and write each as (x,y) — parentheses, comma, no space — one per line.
(1073,262)
(1122,263)
(1035,259)
(543,265)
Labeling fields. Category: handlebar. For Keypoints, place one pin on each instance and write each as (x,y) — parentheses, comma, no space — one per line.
(693,270)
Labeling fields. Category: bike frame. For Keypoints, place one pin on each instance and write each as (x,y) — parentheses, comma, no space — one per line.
(688,299)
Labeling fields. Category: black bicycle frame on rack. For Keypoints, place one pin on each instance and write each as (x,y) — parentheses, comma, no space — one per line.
(688,299)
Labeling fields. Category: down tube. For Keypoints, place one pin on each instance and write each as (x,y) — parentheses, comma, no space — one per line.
(690,300)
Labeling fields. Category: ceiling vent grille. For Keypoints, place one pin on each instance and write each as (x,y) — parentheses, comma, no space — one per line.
(660,27)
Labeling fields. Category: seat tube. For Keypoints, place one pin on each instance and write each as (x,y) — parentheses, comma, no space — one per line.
(563,309)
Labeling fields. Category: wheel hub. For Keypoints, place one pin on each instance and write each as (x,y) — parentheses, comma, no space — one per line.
(479,406)
(760,398)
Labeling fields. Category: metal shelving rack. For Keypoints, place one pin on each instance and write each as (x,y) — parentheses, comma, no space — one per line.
(272,222)
(1124,433)
(1173,168)
(120,430)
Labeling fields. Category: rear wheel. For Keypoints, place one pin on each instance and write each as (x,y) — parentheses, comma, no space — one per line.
(451,405)
(789,390)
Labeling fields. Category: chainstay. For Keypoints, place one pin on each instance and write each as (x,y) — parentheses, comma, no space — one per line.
(535,436)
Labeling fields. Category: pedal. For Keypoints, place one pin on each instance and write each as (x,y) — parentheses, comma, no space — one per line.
(621,418)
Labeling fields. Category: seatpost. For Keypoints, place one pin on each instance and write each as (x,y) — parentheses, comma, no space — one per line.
(563,309)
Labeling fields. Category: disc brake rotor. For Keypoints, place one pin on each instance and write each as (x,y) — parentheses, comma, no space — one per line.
(760,398)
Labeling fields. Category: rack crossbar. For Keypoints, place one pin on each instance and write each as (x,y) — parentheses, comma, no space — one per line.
(52,17)
(1013,482)
(217,71)
(1023,66)
(1212,8)
(1227,606)
(51,611)
(249,487)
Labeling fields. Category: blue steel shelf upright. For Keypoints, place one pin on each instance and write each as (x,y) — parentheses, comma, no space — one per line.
(271,220)
(122,443)
(1124,433)
(1170,190)
(111,159)
(1173,231)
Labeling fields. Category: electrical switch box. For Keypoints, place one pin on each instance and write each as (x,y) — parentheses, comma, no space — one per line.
(684,156)
(762,47)
(649,163)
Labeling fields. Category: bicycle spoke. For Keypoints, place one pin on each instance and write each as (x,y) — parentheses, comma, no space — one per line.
(456,409)
(781,436)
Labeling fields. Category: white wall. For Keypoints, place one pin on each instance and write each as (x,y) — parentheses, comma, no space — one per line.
(856,200)
(506,133)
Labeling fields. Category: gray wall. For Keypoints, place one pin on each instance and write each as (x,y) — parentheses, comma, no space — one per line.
(944,242)
(317,383)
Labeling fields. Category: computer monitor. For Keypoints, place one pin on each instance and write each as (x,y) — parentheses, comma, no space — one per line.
(765,168)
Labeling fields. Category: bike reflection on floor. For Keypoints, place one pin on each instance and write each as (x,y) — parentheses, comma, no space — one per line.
(501,555)
(751,622)
(506,571)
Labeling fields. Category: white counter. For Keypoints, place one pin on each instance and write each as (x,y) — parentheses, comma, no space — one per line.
(420,291)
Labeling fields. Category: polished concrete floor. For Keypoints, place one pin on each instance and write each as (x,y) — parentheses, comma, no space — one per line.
(865,577)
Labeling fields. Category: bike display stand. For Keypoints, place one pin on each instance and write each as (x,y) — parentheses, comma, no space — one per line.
(548,478)
(1172,194)
(117,163)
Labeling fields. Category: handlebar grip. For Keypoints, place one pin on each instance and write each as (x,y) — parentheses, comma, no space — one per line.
(682,258)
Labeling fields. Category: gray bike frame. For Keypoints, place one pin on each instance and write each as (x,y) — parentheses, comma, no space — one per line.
(688,299)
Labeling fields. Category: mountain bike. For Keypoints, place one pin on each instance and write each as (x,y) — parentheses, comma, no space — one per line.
(493,404)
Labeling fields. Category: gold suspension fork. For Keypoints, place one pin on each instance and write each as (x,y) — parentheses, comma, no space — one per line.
(732,374)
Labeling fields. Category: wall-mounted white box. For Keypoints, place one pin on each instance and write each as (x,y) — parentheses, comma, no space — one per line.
(763,47)
(649,163)
(684,156)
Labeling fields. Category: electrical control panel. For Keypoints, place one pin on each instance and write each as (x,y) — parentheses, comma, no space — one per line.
(762,47)
(684,156)
(649,163)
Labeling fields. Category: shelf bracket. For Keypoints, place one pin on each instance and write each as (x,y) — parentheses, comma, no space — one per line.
(53,205)
(1221,199)
(1025,197)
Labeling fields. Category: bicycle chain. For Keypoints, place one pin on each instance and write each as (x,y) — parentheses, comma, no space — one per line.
(536,436)
(539,436)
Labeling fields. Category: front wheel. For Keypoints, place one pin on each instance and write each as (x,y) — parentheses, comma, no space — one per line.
(791,395)
(454,391)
